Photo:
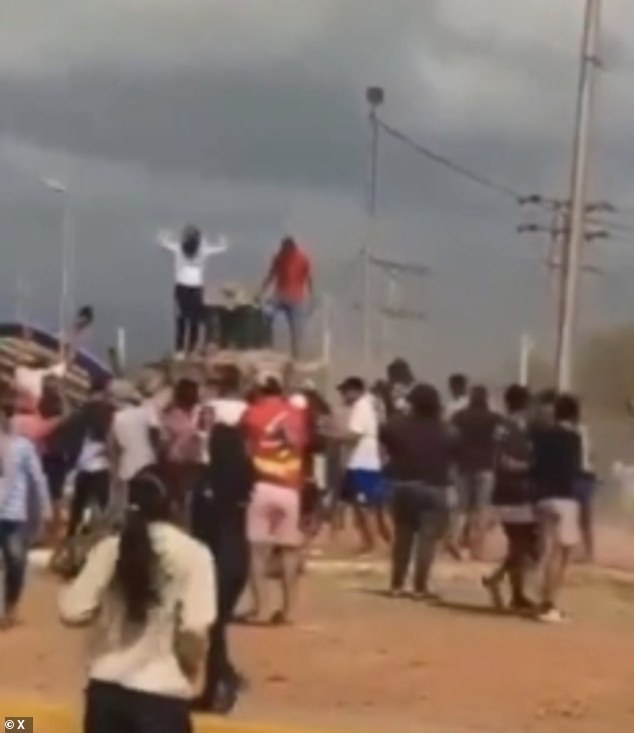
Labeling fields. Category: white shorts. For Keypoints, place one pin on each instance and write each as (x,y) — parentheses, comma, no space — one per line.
(559,519)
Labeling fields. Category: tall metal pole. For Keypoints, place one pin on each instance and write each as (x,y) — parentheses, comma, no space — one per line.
(571,259)
(67,252)
(67,265)
(375,97)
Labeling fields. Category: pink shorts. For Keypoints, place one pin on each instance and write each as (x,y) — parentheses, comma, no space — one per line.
(273,516)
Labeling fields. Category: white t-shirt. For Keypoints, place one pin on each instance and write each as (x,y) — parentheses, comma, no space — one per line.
(455,405)
(32,380)
(146,662)
(228,410)
(190,271)
(93,457)
(363,420)
(131,429)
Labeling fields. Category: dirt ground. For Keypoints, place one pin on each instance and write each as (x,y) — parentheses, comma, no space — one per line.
(358,661)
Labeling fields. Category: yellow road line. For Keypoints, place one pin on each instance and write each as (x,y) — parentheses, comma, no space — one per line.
(48,718)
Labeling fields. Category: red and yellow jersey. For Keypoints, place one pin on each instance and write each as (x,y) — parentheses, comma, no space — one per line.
(276,436)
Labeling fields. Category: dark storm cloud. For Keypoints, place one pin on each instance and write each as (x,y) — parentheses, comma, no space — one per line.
(237,126)
(255,122)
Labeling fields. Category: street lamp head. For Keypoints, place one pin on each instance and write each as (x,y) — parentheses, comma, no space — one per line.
(375,96)
(55,185)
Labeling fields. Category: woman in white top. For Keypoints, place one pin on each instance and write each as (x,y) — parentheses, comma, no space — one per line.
(149,596)
(190,252)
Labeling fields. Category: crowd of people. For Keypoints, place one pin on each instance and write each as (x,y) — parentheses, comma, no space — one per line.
(167,501)
(210,486)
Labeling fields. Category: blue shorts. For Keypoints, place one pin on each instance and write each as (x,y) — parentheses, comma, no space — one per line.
(364,487)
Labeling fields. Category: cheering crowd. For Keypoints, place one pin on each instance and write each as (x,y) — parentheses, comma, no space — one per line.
(164,499)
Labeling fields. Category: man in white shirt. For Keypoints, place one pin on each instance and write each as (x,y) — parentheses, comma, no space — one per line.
(364,487)
(458,395)
(191,252)
(135,436)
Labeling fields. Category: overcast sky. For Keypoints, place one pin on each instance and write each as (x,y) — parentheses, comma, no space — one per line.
(248,117)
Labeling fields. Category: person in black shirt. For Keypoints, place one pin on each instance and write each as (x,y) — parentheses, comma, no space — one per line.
(557,466)
(419,446)
(476,425)
(218,519)
(513,501)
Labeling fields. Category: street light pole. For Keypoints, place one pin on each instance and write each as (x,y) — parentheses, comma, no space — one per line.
(571,259)
(375,97)
(67,258)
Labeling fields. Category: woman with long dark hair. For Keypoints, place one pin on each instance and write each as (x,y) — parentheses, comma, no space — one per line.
(149,596)
(420,448)
(191,251)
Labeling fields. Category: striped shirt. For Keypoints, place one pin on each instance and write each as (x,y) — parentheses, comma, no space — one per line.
(20,474)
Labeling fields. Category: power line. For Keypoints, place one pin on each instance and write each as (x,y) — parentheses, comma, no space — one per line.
(547,202)
(451,165)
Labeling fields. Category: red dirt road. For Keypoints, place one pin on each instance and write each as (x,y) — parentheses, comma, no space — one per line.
(357,661)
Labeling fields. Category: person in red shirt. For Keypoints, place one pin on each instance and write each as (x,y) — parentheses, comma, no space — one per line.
(276,436)
(290,274)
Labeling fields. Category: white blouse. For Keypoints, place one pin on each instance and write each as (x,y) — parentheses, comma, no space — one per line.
(190,271)
(147,662)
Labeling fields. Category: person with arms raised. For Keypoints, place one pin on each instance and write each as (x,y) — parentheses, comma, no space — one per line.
(191,252)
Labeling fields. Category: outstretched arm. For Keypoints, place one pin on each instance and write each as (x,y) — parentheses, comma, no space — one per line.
(167,241)
(80,599)
(215,248)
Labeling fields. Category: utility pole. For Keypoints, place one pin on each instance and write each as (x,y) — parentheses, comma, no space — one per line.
(557,230)
(573,245)
(375,97)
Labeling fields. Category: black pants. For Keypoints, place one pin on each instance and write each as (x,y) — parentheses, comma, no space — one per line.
(90,489)
(420,519)
(55,468)
(190,310)
(114,709)
(224,532)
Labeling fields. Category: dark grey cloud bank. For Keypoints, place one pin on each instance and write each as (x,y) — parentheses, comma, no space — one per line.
(253,123)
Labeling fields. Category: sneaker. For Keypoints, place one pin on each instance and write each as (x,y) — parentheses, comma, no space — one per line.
(551,616)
